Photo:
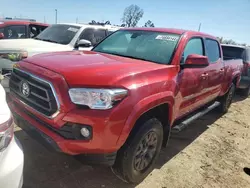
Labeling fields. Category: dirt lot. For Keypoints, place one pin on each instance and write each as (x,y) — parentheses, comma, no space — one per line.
(210,153)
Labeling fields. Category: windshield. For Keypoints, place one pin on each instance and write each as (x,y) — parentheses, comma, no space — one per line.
(151,46)
(62,34)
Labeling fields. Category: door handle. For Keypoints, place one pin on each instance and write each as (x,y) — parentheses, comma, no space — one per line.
(222,70)
(204,76)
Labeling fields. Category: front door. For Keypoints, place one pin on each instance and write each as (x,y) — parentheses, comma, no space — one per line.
(192,81)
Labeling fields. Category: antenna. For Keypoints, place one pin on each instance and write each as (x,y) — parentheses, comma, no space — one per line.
(199,27)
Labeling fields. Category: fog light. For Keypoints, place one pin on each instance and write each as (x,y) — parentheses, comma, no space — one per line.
(85,132)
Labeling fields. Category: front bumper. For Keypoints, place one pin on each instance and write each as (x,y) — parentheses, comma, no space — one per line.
(49,143)
(11,165)
(102,147)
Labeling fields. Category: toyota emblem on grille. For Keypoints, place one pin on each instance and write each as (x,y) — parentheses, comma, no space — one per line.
(25,89)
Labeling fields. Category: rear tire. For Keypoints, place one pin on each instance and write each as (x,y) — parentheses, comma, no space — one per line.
(245,92)
(227,99)
(136,159)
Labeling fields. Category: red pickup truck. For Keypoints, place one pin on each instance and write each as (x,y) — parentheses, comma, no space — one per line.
(19,29)
(118,102)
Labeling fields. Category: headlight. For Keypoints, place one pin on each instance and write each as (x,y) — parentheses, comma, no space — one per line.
(96,98)
(15,56)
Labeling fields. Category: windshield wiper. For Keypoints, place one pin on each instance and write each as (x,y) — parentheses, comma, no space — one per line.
(128,56)
(47,40)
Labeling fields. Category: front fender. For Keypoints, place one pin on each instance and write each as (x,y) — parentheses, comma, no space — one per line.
(142,107)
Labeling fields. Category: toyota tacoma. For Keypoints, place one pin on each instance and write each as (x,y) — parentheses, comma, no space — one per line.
(119,102)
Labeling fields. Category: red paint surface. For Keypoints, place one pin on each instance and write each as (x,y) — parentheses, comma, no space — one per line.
(148,85)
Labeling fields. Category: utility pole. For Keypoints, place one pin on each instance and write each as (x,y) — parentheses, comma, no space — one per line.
(56,15)
(77,20)
(199,27)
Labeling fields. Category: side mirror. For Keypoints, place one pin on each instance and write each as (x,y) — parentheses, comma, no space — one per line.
(196,61)
(83,43)
(1,36)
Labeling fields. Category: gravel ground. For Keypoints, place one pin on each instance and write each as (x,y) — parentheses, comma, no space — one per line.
(212,152)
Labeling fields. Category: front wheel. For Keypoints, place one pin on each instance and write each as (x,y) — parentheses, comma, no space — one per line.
(227,99)
(136,159)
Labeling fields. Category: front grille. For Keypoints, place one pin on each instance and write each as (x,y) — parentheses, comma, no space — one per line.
(39,94)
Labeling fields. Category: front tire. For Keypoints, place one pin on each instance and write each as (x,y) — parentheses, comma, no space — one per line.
(227,99)
(136,159)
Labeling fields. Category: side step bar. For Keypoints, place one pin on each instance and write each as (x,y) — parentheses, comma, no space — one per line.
(179,127)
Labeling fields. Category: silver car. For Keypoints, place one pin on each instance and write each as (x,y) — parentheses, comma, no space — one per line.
(11,153)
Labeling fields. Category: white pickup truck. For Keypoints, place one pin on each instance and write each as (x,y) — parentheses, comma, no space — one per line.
(57,37)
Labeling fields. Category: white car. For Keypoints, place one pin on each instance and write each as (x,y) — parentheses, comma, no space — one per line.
(11,153)
(57,37)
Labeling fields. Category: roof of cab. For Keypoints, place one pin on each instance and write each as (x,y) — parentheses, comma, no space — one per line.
(93,26)
(169,30)
(20,22)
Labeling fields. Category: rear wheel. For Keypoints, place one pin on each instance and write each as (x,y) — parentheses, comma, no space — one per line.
(227,99)
(136,159)
(246,92)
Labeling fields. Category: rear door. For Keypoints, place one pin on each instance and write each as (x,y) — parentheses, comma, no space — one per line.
(192,81)
(215,70)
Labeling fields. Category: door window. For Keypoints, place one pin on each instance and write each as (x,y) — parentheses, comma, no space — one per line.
(194,46)
(93,35)
(35,30)
(212,50)
(15,32)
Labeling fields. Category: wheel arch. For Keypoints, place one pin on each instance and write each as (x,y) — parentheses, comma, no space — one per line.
(153,106)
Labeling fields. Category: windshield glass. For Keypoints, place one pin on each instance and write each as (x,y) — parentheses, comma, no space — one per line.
(151,46)
(62,34)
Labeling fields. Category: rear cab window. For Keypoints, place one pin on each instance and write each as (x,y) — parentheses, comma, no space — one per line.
(212,50)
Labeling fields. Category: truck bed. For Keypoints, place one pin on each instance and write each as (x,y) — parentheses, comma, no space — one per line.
(233,67)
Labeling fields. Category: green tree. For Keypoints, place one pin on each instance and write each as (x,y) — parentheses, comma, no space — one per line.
(131,15)
(230,41)
(149,23)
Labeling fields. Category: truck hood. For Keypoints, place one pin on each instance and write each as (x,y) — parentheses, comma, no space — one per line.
(32,46)
(90,68)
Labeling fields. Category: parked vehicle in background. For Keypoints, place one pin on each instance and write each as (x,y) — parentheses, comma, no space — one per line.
(240,52)
(58,37)
(118,102)
(20,29)
(11,154)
